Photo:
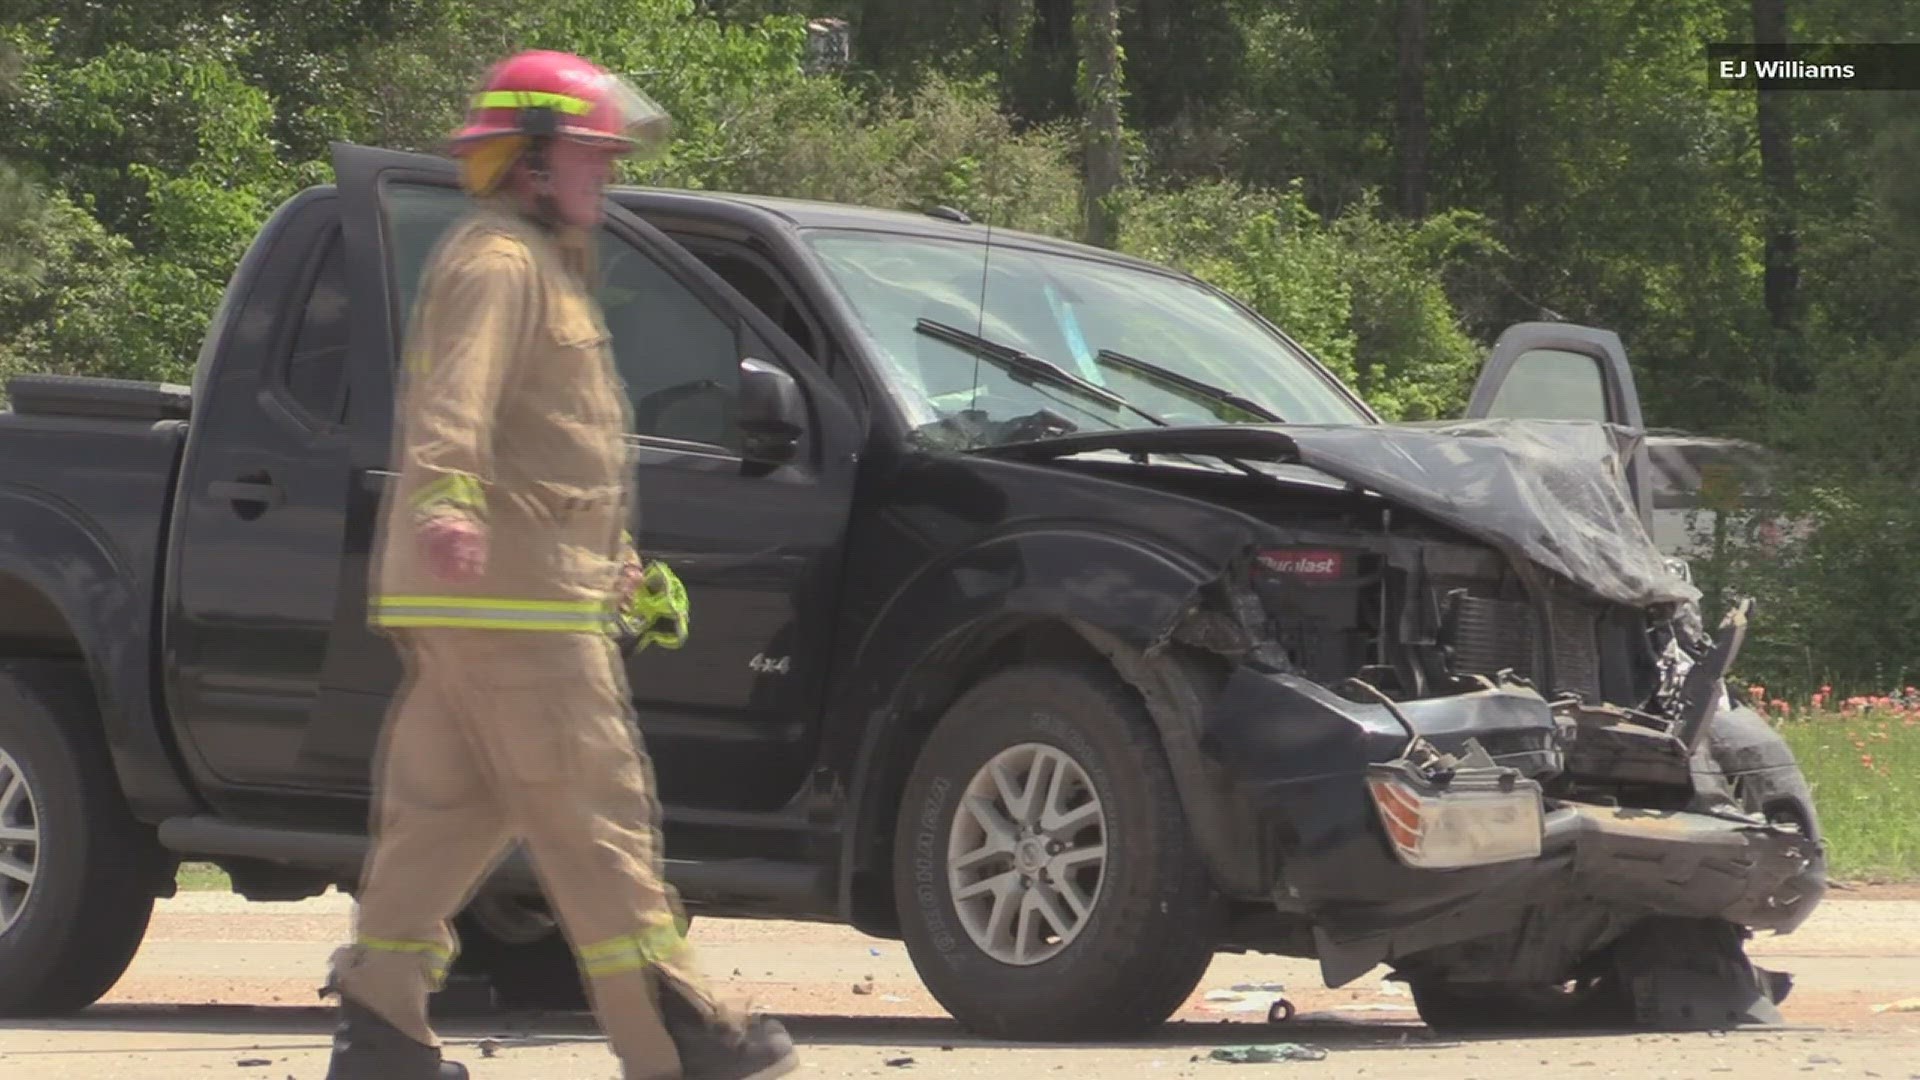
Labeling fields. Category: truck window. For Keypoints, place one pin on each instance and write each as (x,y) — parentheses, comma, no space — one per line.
(679,357)
(313,373)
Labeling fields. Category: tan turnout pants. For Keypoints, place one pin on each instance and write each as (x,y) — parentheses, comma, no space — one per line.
(498,735)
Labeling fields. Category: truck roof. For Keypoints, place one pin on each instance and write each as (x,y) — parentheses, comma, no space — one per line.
(816,214)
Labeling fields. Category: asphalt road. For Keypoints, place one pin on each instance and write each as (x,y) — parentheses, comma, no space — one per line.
(227,988)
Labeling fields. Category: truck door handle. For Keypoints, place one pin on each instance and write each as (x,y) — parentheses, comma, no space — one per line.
(258,490)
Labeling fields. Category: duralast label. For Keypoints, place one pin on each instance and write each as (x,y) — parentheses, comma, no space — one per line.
(1307,564)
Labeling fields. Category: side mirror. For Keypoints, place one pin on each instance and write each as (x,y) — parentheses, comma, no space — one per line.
(772,413)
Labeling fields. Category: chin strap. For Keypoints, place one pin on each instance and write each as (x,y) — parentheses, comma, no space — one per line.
(540,124)
(546,211)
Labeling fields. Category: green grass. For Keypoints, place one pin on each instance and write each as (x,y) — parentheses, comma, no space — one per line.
(1865,772)
(202,877)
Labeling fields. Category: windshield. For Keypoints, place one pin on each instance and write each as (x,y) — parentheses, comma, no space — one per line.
(1163,349)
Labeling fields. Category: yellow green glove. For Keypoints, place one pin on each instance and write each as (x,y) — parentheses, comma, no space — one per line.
(658,608)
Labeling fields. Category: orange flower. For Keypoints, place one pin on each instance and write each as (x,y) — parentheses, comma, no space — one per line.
(1867,760)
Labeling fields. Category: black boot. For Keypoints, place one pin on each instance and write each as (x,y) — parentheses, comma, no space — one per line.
(366,1047)
(712,1050)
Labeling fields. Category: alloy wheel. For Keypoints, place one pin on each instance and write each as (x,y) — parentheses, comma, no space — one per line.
(19,841)
(1027,854)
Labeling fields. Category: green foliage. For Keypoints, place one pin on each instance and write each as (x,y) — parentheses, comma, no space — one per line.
(945,143)
(1363,292)
(1832,557)
(76,299)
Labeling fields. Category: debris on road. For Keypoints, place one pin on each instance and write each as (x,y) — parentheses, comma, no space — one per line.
(252,1063)
(1268,1053)
(1243,998)
(488,1048)
(899,1062)
(1251,998)
(1904,1005)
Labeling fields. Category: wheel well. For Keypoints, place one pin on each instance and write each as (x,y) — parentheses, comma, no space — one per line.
(924,697)
(34,629)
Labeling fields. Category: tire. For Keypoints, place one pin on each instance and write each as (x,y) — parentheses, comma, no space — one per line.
(1452,1009)
(1147,933)
(529,966)
(68,935)
(529,970)
(1759,768)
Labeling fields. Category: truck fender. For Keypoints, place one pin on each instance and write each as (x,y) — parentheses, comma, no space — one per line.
(1122,597)
(52,552)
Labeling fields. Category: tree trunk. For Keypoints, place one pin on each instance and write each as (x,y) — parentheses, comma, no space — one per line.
(1100,90)
(1776,170)
(1413,133)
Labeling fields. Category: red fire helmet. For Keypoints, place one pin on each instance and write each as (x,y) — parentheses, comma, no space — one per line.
(561,95)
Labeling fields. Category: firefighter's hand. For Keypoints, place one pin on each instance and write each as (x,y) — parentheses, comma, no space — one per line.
(454,548)
(632,577)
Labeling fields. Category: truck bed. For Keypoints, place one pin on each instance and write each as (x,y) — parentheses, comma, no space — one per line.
(100,457)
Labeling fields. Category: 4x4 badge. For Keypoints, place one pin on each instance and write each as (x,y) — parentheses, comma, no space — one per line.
(765,666)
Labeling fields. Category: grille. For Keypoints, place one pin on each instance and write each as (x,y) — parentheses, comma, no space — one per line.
(1494,635)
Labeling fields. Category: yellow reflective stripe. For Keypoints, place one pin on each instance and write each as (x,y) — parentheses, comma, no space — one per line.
(490,602)
(457,489)
(441,956)
(623,964)
(490,613)
(454,622)
(532,99)
(632,952)
(600,950)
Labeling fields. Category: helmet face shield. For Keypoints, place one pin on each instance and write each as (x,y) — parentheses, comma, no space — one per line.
(564,96)
(640,120)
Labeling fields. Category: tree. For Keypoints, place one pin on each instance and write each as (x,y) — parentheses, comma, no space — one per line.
(1412,132)
(1774,125)
(1101,88)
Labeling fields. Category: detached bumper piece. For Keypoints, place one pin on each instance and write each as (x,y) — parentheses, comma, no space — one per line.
(1691,865)
(1689,974)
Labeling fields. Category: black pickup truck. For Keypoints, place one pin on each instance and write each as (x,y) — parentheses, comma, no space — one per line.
(1051,612)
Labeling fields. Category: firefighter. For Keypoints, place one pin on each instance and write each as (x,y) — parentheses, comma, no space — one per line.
(501,568)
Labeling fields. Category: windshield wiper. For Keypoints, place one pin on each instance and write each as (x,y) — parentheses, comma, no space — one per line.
(1028,368)
(1189,384)
(1017,363)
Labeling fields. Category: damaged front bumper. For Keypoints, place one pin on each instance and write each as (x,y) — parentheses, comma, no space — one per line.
(1429,828)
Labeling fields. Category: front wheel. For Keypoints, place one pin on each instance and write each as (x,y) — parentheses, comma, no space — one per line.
(1046,883)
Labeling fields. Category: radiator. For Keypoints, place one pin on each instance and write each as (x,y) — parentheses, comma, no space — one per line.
(1494,635)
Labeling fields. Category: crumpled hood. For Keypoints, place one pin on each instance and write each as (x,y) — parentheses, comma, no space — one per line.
(1551,492)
